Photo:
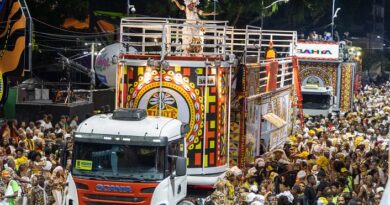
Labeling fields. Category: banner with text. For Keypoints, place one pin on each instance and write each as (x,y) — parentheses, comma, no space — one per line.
(317,50)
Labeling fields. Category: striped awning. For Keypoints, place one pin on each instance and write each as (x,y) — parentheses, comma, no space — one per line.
(274,120)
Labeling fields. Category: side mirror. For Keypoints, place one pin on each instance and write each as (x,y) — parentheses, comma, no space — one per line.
(181,166)
(184,128)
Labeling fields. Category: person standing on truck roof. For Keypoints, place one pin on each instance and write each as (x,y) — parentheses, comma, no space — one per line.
(270,52)
(192,39)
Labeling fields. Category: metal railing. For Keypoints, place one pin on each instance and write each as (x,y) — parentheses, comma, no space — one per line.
(252,41)
(167,36)
(53,92)
(174,37)
(257,76)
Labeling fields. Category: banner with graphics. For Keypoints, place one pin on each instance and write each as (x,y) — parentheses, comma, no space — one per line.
(317,50)
(259,127)
(187,96)
(12,42)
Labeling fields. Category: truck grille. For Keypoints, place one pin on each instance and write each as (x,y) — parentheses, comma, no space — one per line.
(113,198)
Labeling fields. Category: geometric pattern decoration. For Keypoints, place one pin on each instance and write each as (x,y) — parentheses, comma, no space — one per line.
(184,96)
(327,72)
(346,86)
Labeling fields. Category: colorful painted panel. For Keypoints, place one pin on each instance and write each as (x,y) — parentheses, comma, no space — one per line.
(186,97)
(346,86)
(327,72)
(278,103)
(272,73)
(12,42)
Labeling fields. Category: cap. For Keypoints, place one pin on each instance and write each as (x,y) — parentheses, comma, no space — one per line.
(344,170)
(278,151)
(301,174)
(260,162)
(5,173)
(380,189)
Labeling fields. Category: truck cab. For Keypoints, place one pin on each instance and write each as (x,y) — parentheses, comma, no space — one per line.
(128,157)
(317,100)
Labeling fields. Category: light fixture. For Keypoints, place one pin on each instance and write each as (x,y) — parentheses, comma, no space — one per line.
(164,64)
(335,13)
(150,62)
(217,63)
(114,59)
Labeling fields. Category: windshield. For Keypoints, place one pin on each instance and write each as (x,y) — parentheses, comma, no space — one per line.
(124,162)
(312,101)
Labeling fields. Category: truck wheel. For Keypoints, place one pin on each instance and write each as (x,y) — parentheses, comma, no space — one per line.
(186,202)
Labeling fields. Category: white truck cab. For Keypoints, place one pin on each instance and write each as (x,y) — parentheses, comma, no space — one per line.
(317,100)
(128,158)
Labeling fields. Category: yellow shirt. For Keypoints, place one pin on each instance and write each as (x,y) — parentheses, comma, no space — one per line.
(30,144)
(19,161)
(270,53)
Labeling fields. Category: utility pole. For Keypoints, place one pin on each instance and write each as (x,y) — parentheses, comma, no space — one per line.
(130,8)
(262,14)
(92,71)
(333,17)
(267,7)
(215,8)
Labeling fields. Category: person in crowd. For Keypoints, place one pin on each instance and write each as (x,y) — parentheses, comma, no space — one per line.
(38,195)
(12,190)
(339,159)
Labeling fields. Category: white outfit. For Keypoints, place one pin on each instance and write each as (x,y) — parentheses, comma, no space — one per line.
(192,30)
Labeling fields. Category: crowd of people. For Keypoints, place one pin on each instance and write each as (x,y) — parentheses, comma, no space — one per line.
(339,159)
(30,160)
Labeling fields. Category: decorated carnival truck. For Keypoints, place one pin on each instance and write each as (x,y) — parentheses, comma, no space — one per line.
(195,84)
(329,80)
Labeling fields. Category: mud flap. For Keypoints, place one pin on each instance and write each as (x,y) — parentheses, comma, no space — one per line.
(70,192)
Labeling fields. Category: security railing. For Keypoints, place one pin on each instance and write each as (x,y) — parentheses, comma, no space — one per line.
(257,76)
(53,92)
(252,41)
(181,37)
(174,37)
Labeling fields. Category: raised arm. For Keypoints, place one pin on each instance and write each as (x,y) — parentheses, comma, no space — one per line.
(181,7)
(202,13)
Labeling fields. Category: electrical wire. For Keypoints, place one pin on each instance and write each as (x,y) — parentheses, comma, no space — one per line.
(54,40)
(65,49)
(59,39)
(72,36)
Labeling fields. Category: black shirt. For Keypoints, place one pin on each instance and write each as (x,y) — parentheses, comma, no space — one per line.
(323,184)
(310,195)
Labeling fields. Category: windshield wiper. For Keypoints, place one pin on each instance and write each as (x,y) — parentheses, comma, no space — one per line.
(132,178)
(92,176)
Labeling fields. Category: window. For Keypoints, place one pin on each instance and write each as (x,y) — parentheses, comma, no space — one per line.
(175,148)
(119,161)
(313,101)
